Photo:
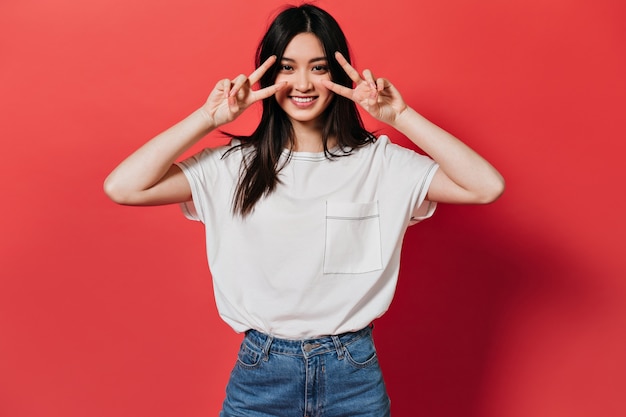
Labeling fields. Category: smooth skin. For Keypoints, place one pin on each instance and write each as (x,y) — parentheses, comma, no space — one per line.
(304,67)
(149,177)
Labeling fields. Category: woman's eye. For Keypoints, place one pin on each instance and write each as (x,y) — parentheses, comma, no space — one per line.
(320,68)
(286,68)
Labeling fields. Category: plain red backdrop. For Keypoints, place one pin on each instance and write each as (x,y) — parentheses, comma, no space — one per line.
(513,309)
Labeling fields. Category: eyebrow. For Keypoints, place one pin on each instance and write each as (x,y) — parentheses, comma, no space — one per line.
(323,58)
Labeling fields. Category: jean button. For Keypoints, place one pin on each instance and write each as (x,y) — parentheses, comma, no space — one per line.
(310,346)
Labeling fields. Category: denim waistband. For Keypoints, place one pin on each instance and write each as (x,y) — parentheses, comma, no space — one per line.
(305,347)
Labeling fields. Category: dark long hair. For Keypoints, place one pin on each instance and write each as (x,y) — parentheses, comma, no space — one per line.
(341,120)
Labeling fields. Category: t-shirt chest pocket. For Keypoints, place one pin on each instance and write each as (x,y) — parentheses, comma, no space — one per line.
(353,243)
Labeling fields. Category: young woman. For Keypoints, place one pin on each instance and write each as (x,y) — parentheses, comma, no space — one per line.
(305,217)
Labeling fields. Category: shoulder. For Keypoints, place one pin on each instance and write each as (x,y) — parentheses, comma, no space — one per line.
(217,153)
(210,162)
(385,148)
(395,157)
(383,143)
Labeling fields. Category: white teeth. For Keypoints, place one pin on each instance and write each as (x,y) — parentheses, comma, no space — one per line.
(302,99)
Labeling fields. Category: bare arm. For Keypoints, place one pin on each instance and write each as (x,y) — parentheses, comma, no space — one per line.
(149,177)
(464,176)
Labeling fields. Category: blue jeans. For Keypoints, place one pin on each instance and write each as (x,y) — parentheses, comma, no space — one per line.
(334,376)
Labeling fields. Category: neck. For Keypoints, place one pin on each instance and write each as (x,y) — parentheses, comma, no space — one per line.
(309,139)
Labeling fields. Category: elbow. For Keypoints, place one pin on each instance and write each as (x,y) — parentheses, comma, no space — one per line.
(492,192)
(114,191)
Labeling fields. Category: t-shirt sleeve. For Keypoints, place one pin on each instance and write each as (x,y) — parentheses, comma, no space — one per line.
(423,208)
(201,171)
(412,174)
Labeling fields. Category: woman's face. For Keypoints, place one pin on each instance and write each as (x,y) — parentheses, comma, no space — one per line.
(303,66)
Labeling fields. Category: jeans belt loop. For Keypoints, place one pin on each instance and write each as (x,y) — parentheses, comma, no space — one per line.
(338,346)
(266,347)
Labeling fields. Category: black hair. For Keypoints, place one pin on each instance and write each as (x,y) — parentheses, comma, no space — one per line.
(341,120)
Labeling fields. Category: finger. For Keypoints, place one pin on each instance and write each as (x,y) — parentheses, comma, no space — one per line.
(268,91)
(258,73)
(381,83)
(387,88)
(226,87)
(238,82)
(233,104)
(368,77)
(338,89)
(352,73)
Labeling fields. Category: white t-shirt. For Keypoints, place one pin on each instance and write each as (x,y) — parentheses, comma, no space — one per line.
(320,255)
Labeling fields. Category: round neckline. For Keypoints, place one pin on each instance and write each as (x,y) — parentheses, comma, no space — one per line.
(311,156)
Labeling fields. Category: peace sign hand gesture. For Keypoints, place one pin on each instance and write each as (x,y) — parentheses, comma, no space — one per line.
(230,98)
(377,96)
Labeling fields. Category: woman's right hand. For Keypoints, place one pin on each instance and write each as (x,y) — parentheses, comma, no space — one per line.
(149,176)
(230,98)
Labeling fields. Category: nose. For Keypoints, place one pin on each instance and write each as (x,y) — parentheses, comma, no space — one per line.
(302,82)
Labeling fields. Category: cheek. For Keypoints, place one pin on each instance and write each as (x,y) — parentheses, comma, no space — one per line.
(320,87)
(282,78)
(282,92)
(323,91)
(280,97)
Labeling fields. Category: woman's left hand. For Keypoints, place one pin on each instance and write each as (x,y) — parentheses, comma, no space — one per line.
(376,95)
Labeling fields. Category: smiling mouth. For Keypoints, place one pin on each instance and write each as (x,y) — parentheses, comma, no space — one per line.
(302,99)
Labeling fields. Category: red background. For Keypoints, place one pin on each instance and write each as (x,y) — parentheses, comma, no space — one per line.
(513,309)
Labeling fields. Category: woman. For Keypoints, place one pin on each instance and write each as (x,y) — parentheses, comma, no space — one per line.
(305,217)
